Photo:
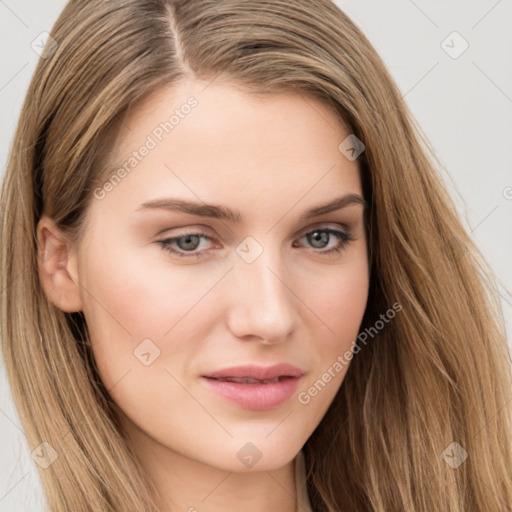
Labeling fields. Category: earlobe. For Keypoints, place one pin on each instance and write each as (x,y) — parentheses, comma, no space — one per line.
(57,265)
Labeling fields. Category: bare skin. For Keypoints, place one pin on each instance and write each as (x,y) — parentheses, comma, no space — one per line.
(272,159)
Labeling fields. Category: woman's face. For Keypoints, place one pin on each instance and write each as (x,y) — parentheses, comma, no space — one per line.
(173,288)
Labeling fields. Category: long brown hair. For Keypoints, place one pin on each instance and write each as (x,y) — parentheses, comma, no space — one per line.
(438,374)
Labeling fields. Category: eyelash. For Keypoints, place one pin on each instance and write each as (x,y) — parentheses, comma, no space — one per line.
(344,236)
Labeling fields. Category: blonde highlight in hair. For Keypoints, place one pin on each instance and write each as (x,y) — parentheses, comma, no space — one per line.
(438,373)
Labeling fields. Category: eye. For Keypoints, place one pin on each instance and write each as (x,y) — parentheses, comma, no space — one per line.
(320,238)
(186,245)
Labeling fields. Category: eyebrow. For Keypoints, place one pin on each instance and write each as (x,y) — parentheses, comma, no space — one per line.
(226,214)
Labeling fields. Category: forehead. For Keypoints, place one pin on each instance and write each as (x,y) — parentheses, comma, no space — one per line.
(218,143)
(223,116)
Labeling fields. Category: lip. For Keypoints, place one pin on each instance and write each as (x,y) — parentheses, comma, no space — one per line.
(255,396)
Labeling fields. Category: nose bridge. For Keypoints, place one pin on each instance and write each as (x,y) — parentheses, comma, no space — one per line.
(263,305)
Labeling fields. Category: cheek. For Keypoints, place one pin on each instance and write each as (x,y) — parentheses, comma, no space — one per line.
(338,304)
(139,288)
(126,301)
(339,300)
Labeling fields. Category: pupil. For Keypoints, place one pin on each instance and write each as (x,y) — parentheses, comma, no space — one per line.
(194,239)
(319,236)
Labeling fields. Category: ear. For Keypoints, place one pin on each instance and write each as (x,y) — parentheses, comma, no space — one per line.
(57,264)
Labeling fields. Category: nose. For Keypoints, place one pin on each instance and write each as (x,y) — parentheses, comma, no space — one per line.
(263,304)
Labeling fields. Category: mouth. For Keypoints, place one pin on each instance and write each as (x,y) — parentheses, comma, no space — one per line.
(257,373)
(251,380)
(255,388)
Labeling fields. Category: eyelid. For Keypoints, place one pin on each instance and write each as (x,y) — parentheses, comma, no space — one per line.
(201,229)
(323,225)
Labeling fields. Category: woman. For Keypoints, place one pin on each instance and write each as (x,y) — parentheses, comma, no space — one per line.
(243,284)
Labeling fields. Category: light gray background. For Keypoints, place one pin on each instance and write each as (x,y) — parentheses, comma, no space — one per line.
(463,106)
